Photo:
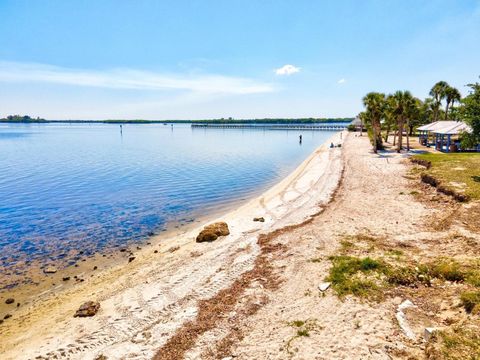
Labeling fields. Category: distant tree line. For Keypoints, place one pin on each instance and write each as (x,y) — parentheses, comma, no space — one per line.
(401,113)
(22,119)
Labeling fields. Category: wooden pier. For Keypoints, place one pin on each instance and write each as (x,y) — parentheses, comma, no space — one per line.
(311,127)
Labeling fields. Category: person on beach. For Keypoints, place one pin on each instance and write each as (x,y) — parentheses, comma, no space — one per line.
(331,145)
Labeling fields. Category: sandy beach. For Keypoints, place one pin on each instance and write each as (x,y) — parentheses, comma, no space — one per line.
(145,301)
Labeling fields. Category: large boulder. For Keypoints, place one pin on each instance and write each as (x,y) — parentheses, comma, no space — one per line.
(88,308)
(213,231)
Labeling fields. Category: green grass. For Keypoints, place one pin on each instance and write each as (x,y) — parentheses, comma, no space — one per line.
(366,277)
(303,329)
(458,343)
(450,270)
(303,332)
(408,275)
(350,275)
(473,278)
(460,168)
(297,323)
(471,301)
(394,252)
(346,245)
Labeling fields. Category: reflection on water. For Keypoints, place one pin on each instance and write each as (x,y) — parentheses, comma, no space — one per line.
(86,187)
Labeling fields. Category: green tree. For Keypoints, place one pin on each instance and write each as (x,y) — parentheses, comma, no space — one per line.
(403,108)
(438,94)
(451,95)
(413,110)
(389,118)
(470,113)
(422,116)
(374,103)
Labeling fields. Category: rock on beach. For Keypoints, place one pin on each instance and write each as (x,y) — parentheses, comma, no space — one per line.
(213,231)
(89,308)
(50,270)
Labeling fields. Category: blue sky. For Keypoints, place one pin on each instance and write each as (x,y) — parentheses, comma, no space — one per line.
(208,59)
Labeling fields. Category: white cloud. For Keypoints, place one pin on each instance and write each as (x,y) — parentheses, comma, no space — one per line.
(130,79)
(341,81)
(287,70)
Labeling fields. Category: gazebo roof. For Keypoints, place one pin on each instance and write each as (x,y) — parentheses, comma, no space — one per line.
(439,126)
(455,129)
(356,121)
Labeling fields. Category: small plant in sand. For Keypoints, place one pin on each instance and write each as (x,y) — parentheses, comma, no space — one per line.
(346,246)
(471,301)
(473,278)
(448,269)
(356,276)
(303,329)
(394,252)
(458,343)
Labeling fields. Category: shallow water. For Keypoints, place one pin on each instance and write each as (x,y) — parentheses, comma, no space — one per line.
(87,187)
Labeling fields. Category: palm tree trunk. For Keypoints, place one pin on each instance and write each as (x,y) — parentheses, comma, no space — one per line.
(400,135)
(394,137)
(386,135)
(446,110)
(408,137)
(435,110)
(378,131)
(451,105)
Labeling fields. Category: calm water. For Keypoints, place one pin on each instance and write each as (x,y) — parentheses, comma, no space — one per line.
(69,187)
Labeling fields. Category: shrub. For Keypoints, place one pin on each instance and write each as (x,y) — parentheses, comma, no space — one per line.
(448,270)
(471,301)
(474,278)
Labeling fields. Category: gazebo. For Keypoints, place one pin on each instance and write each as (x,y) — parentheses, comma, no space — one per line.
(357,122)
(443,132)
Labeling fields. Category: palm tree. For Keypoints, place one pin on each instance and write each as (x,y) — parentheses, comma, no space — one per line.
(422,116)
(403,103)
(389,118)
(363,118)
(451,95)
(375,105)
(428,109)
(413,110)
(438,94)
